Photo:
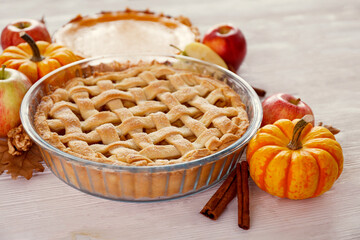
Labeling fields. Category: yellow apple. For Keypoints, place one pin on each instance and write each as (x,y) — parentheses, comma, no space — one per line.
(13,86)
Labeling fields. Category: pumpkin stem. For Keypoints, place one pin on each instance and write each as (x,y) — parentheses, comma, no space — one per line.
(295,142)
(36,52)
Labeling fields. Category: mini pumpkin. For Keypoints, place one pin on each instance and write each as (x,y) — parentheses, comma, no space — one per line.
(293,159)
(35,60)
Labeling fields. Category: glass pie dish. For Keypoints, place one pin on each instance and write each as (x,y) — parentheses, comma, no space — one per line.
(140,183)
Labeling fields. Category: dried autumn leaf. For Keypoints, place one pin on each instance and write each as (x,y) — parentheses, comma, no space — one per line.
(332,129)
(22,165)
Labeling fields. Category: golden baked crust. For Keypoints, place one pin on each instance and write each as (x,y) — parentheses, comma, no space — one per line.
(148,114)
(88,36)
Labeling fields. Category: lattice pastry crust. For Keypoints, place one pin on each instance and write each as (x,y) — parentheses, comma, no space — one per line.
(147,114)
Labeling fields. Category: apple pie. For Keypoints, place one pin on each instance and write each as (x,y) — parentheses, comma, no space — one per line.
(126,32)
(146,114)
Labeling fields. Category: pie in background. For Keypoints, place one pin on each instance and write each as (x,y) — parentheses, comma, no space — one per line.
(126,32)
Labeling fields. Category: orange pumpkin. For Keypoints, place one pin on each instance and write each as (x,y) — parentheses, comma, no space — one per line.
(293,159)
(35,60)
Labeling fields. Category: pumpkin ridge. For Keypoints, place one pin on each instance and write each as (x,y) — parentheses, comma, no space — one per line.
(272,130)
(262,180)
(339,164)
(321,186)
(277,185)
(301,175)
(279,142)
(286,185)
(319,132)
(18,51)
(13,62)
(283,124)
(261,177)
(283,132)
(288,175)
(260,141)
(317,190)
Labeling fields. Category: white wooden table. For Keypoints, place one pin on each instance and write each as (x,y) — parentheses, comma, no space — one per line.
(305,48)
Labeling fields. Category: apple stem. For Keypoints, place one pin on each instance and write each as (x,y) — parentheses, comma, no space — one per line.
(297,101)
(295,142)
(36,52)
(224,29)
(177,48)
(2,75)
(43,19)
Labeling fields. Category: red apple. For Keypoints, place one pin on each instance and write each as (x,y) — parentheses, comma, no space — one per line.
(36,29)
(229,42)
(13,86)
(284,106)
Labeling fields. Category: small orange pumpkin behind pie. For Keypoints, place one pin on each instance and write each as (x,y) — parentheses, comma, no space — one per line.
(36,59)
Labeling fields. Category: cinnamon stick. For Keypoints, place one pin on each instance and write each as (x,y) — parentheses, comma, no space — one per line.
(218,202)
(243,195)
(239,193)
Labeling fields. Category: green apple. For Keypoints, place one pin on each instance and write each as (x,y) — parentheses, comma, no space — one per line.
(13,86)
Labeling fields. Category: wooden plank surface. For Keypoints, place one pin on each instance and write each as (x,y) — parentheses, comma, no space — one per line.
(306,48)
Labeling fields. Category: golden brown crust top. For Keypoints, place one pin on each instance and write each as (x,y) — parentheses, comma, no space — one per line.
(149,114)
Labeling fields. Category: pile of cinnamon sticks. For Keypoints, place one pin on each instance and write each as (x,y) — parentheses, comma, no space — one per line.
(236,184)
